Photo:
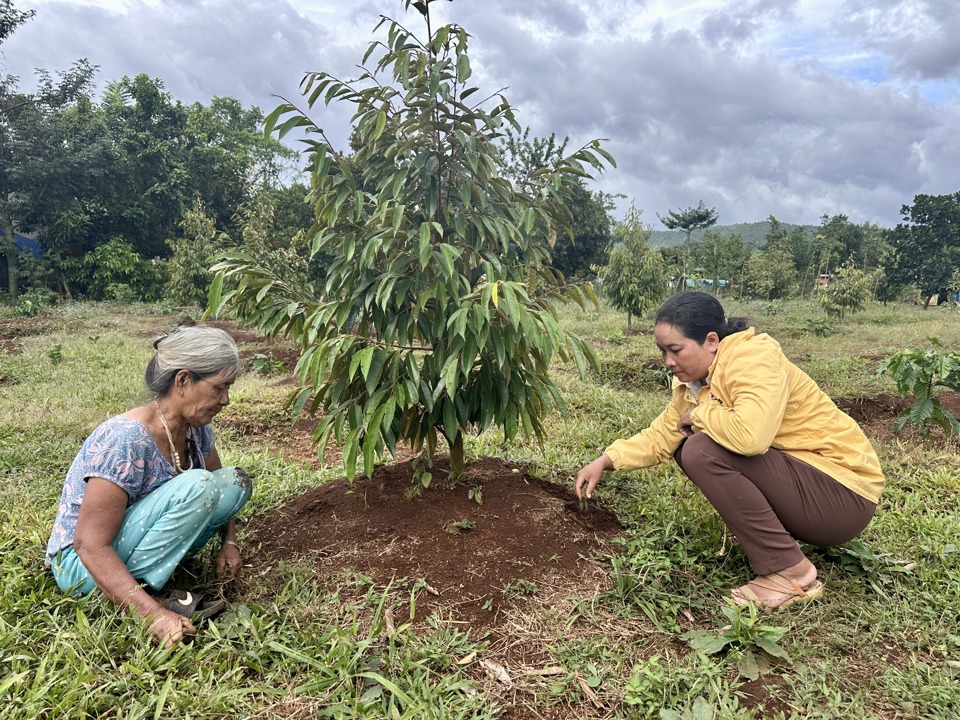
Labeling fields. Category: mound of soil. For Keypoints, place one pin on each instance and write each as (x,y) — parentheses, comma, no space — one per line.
(529,535)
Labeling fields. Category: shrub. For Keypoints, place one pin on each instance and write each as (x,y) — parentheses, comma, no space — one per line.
(918,372)
(116,264)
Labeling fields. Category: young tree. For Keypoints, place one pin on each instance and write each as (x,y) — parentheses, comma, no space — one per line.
(193,255)
(437,314)
(688,220)
(848,291)
(634,279)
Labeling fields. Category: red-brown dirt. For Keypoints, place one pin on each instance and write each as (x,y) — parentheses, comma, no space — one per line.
(473,559)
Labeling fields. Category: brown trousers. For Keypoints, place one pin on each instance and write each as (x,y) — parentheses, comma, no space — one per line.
(772,500)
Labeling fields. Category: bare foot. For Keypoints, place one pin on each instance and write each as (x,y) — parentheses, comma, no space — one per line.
(794,584)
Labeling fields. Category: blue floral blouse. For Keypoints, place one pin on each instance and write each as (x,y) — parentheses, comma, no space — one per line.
(124,452)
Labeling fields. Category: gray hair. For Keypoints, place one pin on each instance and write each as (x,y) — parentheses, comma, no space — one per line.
(200,350)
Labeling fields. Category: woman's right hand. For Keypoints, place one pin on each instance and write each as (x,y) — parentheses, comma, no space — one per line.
(589,475)
(168,628)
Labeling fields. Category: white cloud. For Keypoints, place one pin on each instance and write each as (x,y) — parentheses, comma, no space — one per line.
(787,107)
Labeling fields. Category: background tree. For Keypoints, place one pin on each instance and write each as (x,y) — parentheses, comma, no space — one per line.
(574,253)
(11,18)
(194,253)
(688,220)
(769,274)
(118,272)
(438,310)
(46,160)
(721,257)
(927,246)
(634,279)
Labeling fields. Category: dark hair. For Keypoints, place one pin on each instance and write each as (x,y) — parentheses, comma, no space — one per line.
(695,314)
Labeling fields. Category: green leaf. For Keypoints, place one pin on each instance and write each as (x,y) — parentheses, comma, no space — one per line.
(381,124)
(463,67)
(747,665)
(772,648)
(375,368)
(350,453)
(706,642)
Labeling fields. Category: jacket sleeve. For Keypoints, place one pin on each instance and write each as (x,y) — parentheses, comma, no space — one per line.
(654,444)
(755,382)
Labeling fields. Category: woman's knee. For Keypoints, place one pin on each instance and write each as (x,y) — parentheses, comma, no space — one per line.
(697,452)
(199,487)
(235,485)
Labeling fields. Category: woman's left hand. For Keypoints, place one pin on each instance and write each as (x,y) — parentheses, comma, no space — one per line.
(228,561)
(685,424)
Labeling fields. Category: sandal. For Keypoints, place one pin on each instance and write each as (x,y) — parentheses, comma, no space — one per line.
(194,606)
(795,592)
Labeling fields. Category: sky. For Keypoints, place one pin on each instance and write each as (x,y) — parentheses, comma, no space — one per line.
(790,108)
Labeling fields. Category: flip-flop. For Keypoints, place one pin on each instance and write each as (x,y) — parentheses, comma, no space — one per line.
(779,584)
(193,606)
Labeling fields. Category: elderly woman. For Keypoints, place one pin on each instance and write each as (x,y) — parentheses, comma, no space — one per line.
(766,446)
(147,488)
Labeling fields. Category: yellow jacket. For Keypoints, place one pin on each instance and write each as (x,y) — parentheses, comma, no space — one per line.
(756,399)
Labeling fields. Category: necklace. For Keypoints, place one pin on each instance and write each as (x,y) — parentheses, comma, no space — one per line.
(174,455)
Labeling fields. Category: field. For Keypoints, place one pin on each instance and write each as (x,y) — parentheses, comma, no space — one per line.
(500,597)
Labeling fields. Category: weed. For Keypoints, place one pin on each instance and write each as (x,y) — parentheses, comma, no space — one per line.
(755,644)
(879,568)
(461,526)
(520,588)
(56,354)
(266,365)
(475,493)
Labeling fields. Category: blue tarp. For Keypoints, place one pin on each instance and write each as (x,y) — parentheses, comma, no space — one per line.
(26,244)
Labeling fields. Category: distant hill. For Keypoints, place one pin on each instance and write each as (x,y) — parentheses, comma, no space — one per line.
(753,234)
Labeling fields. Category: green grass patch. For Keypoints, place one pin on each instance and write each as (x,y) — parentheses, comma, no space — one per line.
(883,642)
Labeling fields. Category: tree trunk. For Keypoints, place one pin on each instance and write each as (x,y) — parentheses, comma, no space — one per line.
(457,463)
(9,250)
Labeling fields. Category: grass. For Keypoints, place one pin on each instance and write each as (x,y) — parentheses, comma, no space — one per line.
(883,642)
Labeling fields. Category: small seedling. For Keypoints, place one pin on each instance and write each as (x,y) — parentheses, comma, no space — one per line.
(459,526)
(56,354)
(520,588)
(756,643)
(266,365)
(475,493)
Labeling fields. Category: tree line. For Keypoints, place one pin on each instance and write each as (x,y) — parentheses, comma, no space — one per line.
(104,185)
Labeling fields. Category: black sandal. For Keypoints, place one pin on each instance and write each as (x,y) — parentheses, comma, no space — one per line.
(193,606)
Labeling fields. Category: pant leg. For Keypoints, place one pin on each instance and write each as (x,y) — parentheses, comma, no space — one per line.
(157,531)
(770,501)
(235,487)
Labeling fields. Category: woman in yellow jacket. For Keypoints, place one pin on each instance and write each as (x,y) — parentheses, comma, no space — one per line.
(766,446)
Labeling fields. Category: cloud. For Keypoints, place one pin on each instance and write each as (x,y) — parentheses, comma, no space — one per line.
(794,108)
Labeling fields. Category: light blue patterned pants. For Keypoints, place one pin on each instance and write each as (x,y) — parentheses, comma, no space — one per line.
(158,531)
